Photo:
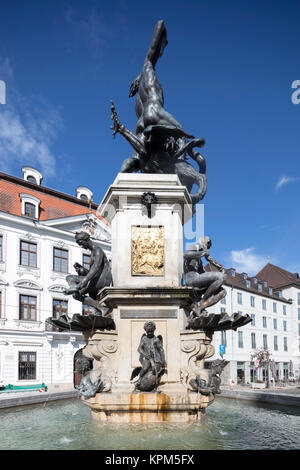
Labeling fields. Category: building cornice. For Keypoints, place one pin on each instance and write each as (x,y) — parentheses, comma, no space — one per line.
(257,292)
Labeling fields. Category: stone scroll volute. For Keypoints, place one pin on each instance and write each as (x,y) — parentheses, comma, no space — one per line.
(101,348)
(195,348)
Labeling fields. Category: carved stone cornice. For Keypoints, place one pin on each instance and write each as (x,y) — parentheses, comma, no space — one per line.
(115,296)
(27,284)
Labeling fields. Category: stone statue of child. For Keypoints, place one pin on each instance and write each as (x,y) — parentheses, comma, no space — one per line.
(152,358)
(86,285)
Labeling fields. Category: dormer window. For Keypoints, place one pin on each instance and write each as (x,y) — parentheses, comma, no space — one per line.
(30,210)
(30,206)
(83,193)
(259,287)
(279,294)
(270,291)
(32,175)
(265,284)
(248,284)
(255,280)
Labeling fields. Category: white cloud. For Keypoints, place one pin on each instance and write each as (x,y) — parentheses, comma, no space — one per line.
(245,261)
(284,180)
(28,128)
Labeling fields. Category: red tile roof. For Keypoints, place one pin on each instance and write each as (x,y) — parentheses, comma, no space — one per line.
(239,281)
(278,277)
(54,204)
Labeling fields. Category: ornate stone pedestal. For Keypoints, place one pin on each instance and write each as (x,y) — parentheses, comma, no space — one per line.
(147,254)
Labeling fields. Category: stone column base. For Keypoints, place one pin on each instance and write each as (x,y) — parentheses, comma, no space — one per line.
(125,407)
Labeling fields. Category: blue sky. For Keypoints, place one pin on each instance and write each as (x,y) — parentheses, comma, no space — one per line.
(227,74)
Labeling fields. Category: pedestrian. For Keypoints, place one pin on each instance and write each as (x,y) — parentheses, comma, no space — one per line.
(231,383)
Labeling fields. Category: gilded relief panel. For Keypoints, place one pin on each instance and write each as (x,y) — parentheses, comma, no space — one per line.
(147,251)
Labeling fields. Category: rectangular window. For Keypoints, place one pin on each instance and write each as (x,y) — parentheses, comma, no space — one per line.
(274,307)
(248,284)
(253,341)
(60,260)
(28,254)
(30,210)
(252,319)
(223,337)
(87,309)
(252,301)
(284,309)
(275,343)
(86,261)
(265,341)
(264,322)
(27,365)
(298,298)
(223,310)
(59,307)
(239,298)
(285,345)
(223,301)
(28,308)
(240,339)
(270,291)
(259,286)
(298,326)
(275,323)
(1,247)
(264,304)
(299,314)
(284,325)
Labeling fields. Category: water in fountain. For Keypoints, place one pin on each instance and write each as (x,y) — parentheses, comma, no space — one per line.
(228,424)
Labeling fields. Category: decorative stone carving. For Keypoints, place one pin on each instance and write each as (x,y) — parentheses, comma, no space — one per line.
(93,380)
(28,324)
(27,284)
(57,288)
(3,282)
(147,199)
(29,236)
(147,251)
(101,348)
(92,228)
(61,244)
(205,387)
(25,270)
(196,347)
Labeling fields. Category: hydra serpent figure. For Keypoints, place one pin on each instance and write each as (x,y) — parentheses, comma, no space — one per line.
(160,144)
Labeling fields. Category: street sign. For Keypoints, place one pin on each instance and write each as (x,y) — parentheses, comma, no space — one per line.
(222,349)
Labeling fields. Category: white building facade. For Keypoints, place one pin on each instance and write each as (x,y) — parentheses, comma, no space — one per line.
(275,323)
(36,257)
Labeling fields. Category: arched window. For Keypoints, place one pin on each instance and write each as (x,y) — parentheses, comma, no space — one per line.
(31,179)
(84,197)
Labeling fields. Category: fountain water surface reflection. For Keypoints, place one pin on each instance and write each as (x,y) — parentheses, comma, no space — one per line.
(228,424)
